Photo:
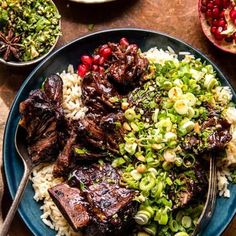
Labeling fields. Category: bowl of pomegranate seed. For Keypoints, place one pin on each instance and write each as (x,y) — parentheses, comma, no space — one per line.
(218,21)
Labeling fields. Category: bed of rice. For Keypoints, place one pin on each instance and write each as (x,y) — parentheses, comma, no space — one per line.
(42,177)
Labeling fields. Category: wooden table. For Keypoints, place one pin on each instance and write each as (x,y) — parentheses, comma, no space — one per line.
(178,18)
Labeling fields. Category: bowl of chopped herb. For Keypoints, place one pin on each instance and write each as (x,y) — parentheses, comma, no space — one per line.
(29,30)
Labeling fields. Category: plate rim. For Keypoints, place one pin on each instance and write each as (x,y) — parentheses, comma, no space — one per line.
(28,78)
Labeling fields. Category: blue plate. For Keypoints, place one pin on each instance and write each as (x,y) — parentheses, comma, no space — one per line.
(58,61)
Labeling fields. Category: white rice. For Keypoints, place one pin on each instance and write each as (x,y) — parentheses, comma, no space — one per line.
(42,177)
(72,102)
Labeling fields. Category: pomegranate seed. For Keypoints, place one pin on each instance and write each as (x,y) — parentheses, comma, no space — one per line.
(124,42)
(95,67)
(213,29)
(87,60)
(96,59)
(225,3)
(209,13)
(215,12)
(232,13)
(106,52)
(82,70)
(101,61)
(203,9)
(222,14)
(204,2)
(210,5)
(215,22)
(102,48)
(218,34)
(218,2)
(101,70)
(221,23)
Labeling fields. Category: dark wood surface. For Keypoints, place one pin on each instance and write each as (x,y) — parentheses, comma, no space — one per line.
(177,18)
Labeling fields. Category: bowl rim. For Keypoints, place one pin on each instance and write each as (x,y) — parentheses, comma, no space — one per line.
(28,63)
(29,77)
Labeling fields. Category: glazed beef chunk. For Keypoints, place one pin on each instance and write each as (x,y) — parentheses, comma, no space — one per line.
(126,65)
(41,116)
(110,207)
(217,138)
(72,205)
(194,185)
(90,139)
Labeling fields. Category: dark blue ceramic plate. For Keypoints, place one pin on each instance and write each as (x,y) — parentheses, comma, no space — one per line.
(70,54)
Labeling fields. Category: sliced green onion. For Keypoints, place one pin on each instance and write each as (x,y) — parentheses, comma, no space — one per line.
(118,162)
(175,93)
(186,222)
(190,98)
(136,175)
(181,234)
(143,216)
(155,115)
(147,183)
(142,234)
(134,127)
(157,190)
(169,155)
(174,226)
(151,229)
(130,114)
(130,148)
(188,160)
(181,107)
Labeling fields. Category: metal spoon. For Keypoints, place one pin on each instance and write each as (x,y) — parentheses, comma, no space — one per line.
(21,148)
(211,198)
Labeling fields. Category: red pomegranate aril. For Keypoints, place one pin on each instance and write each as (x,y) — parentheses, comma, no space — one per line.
(82,70)
(218,2)
(222,14)
(213,29)
(95,67)
(101,61)
(232,13)
(218,34)
(215,12)
(87,60)
(106,52)
(96,59)
(225,3)
(221,23)
(215,22)
(209,13)
(102,48)
(101,70)
(210,5)
(124,42)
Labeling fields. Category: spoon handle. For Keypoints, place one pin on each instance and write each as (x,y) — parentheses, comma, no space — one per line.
(15,203)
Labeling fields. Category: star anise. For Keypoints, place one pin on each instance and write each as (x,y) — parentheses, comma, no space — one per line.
(9,45)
